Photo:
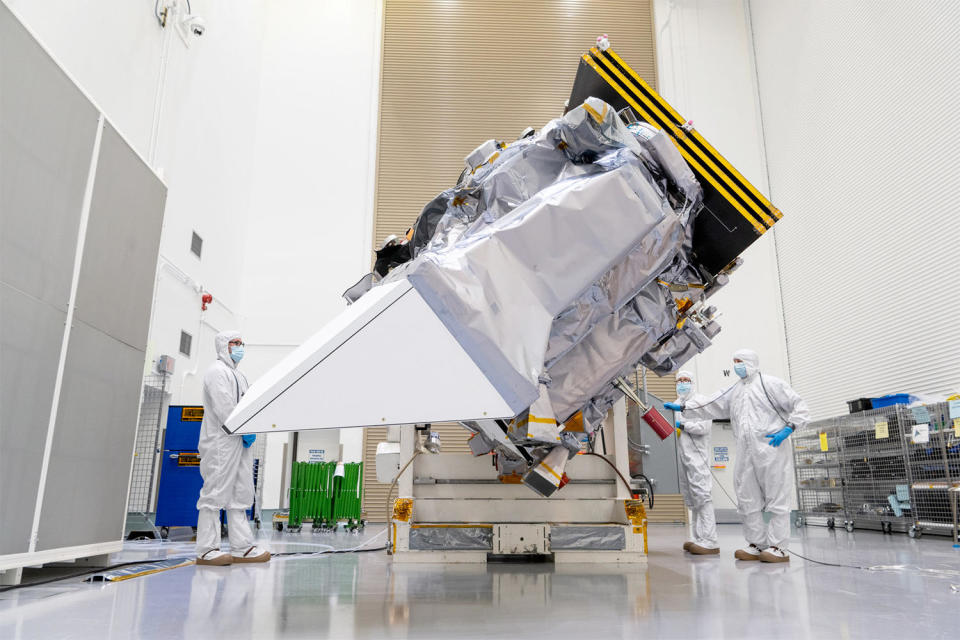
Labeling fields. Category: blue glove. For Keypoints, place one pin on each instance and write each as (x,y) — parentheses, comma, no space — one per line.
(674,406)
(776,439)
(679,425)
(248,439)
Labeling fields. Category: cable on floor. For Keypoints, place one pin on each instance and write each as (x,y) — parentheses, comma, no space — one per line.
(325,553)
(357,549)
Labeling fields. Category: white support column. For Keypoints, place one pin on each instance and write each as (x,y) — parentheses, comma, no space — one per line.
(408,444)
(618,417)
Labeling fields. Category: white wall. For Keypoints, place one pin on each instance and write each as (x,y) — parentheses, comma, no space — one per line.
(706,72)
(311,207)
(859,102)
(264,131)
(192,113)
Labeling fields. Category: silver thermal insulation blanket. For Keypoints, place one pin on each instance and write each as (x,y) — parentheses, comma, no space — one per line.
(552,260)
(451,539)
(582,538)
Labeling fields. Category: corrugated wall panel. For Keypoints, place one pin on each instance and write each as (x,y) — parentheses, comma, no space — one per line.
(668,507)
(456,74)
(857,100)
(374,493)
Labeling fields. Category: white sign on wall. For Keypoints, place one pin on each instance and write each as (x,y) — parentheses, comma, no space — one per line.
(317,455)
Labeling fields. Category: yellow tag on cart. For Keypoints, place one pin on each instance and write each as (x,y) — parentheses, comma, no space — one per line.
(882,431)
(823,442)
(956,427)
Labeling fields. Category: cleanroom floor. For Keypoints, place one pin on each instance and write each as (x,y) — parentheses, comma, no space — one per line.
(915,593)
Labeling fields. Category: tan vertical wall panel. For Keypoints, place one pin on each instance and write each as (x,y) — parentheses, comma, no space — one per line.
(374,493)
(456,74)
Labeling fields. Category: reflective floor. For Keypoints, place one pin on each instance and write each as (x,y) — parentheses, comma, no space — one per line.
(361,595)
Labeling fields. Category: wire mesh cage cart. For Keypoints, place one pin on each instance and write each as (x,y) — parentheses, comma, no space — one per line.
(817,467)
(142,496)
(933,466)
(876,487)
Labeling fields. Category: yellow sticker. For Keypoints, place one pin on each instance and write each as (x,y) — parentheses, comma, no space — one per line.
(956,427)
(191,414)
(882,431)
(823,442)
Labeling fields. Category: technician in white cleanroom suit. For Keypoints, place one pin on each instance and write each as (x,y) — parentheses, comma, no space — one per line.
(226,462)
(764,411)
(696,483)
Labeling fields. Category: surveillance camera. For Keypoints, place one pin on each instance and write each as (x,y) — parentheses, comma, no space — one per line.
(195,25)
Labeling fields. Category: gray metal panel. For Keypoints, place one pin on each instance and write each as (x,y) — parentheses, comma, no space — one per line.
(660,465)
(123,239)
(30,336)
(97,420)
(86,492)
(47,129)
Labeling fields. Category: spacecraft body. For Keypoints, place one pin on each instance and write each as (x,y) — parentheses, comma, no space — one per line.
(558,264)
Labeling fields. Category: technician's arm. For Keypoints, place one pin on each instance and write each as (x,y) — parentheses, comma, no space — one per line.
(697,427)
(704,409)
(797,412)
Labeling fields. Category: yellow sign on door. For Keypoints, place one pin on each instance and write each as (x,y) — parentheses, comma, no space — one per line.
(191,414)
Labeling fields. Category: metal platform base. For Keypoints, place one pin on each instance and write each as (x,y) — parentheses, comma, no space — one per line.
(559,543)
(558,557)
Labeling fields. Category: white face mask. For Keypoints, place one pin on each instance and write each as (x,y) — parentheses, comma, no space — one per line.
(684,388)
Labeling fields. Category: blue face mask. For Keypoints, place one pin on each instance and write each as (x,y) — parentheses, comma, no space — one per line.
(236,353)
(684,388)
(740,368)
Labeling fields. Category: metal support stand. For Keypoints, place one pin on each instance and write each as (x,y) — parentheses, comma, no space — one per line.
(152,499)
(457,511)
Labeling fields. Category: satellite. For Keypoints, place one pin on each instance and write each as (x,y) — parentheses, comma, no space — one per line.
(523,296)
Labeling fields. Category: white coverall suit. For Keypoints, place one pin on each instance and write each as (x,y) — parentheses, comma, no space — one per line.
(762,475)
(225,465)
(696,483)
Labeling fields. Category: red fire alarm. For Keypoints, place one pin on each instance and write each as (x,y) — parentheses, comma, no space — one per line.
(206,299)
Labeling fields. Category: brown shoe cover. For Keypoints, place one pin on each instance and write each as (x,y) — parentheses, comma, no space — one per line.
(222,560)
(740,554)
(766,556)
(686,546)
(697,550)
(263,557)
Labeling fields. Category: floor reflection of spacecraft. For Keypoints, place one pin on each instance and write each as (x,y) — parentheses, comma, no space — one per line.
(502,589)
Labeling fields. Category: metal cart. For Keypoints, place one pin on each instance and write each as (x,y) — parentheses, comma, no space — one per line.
(933,467)
(876,486)
(820,494)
